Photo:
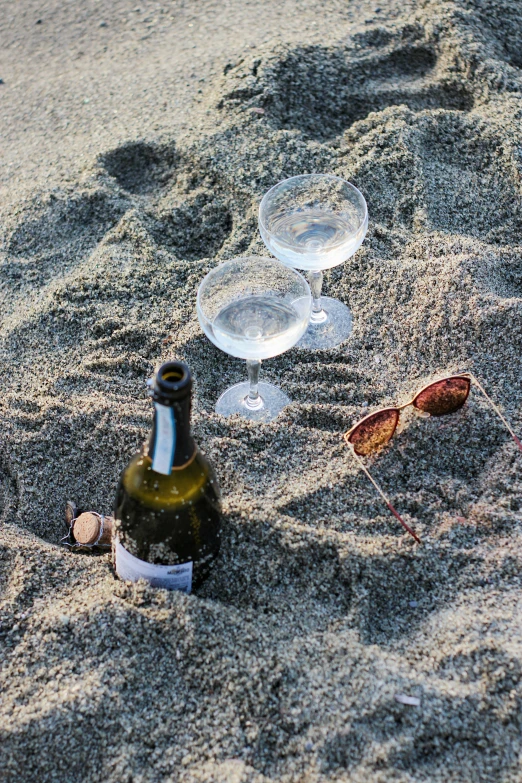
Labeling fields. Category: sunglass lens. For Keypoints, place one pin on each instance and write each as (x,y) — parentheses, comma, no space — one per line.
(443,397)
(374,432)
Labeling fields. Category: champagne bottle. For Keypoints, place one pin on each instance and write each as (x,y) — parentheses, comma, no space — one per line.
(167,509)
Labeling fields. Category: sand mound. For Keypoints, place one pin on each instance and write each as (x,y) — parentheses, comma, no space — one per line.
(286,665)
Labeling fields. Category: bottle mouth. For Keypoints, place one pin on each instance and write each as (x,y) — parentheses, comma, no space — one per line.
(173,382)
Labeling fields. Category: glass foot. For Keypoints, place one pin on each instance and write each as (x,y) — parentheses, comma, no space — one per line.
(332,330)
(273,400)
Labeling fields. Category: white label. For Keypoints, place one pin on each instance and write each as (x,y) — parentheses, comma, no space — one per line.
(170,577)
(165,440)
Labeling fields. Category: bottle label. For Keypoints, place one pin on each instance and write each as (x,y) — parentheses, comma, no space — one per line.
(173,577)
(165,439)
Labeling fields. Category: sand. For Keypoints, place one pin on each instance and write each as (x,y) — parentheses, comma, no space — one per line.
(138,140)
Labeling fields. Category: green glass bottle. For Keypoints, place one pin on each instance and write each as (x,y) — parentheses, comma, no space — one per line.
(167,509)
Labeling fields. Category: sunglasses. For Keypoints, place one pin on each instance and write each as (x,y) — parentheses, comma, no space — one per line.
(436,399)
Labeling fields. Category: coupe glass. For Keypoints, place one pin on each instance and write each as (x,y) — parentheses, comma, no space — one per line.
(315,222)
(253,308)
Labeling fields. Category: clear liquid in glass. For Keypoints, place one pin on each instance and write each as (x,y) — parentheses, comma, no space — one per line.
(313,239)
(259,327)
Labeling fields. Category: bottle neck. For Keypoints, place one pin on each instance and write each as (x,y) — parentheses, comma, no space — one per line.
(171,444)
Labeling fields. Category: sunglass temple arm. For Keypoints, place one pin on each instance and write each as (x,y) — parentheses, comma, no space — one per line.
(497,411)
(383,496)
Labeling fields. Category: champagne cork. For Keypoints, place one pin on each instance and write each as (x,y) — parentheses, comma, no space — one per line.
(91,529)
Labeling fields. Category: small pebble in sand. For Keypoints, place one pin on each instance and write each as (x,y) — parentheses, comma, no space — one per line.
(412,701)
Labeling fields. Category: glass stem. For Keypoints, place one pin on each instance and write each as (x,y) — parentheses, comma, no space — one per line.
(316,283)
(253,401)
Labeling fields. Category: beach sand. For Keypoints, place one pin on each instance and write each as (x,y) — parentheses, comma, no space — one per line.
(138,140)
